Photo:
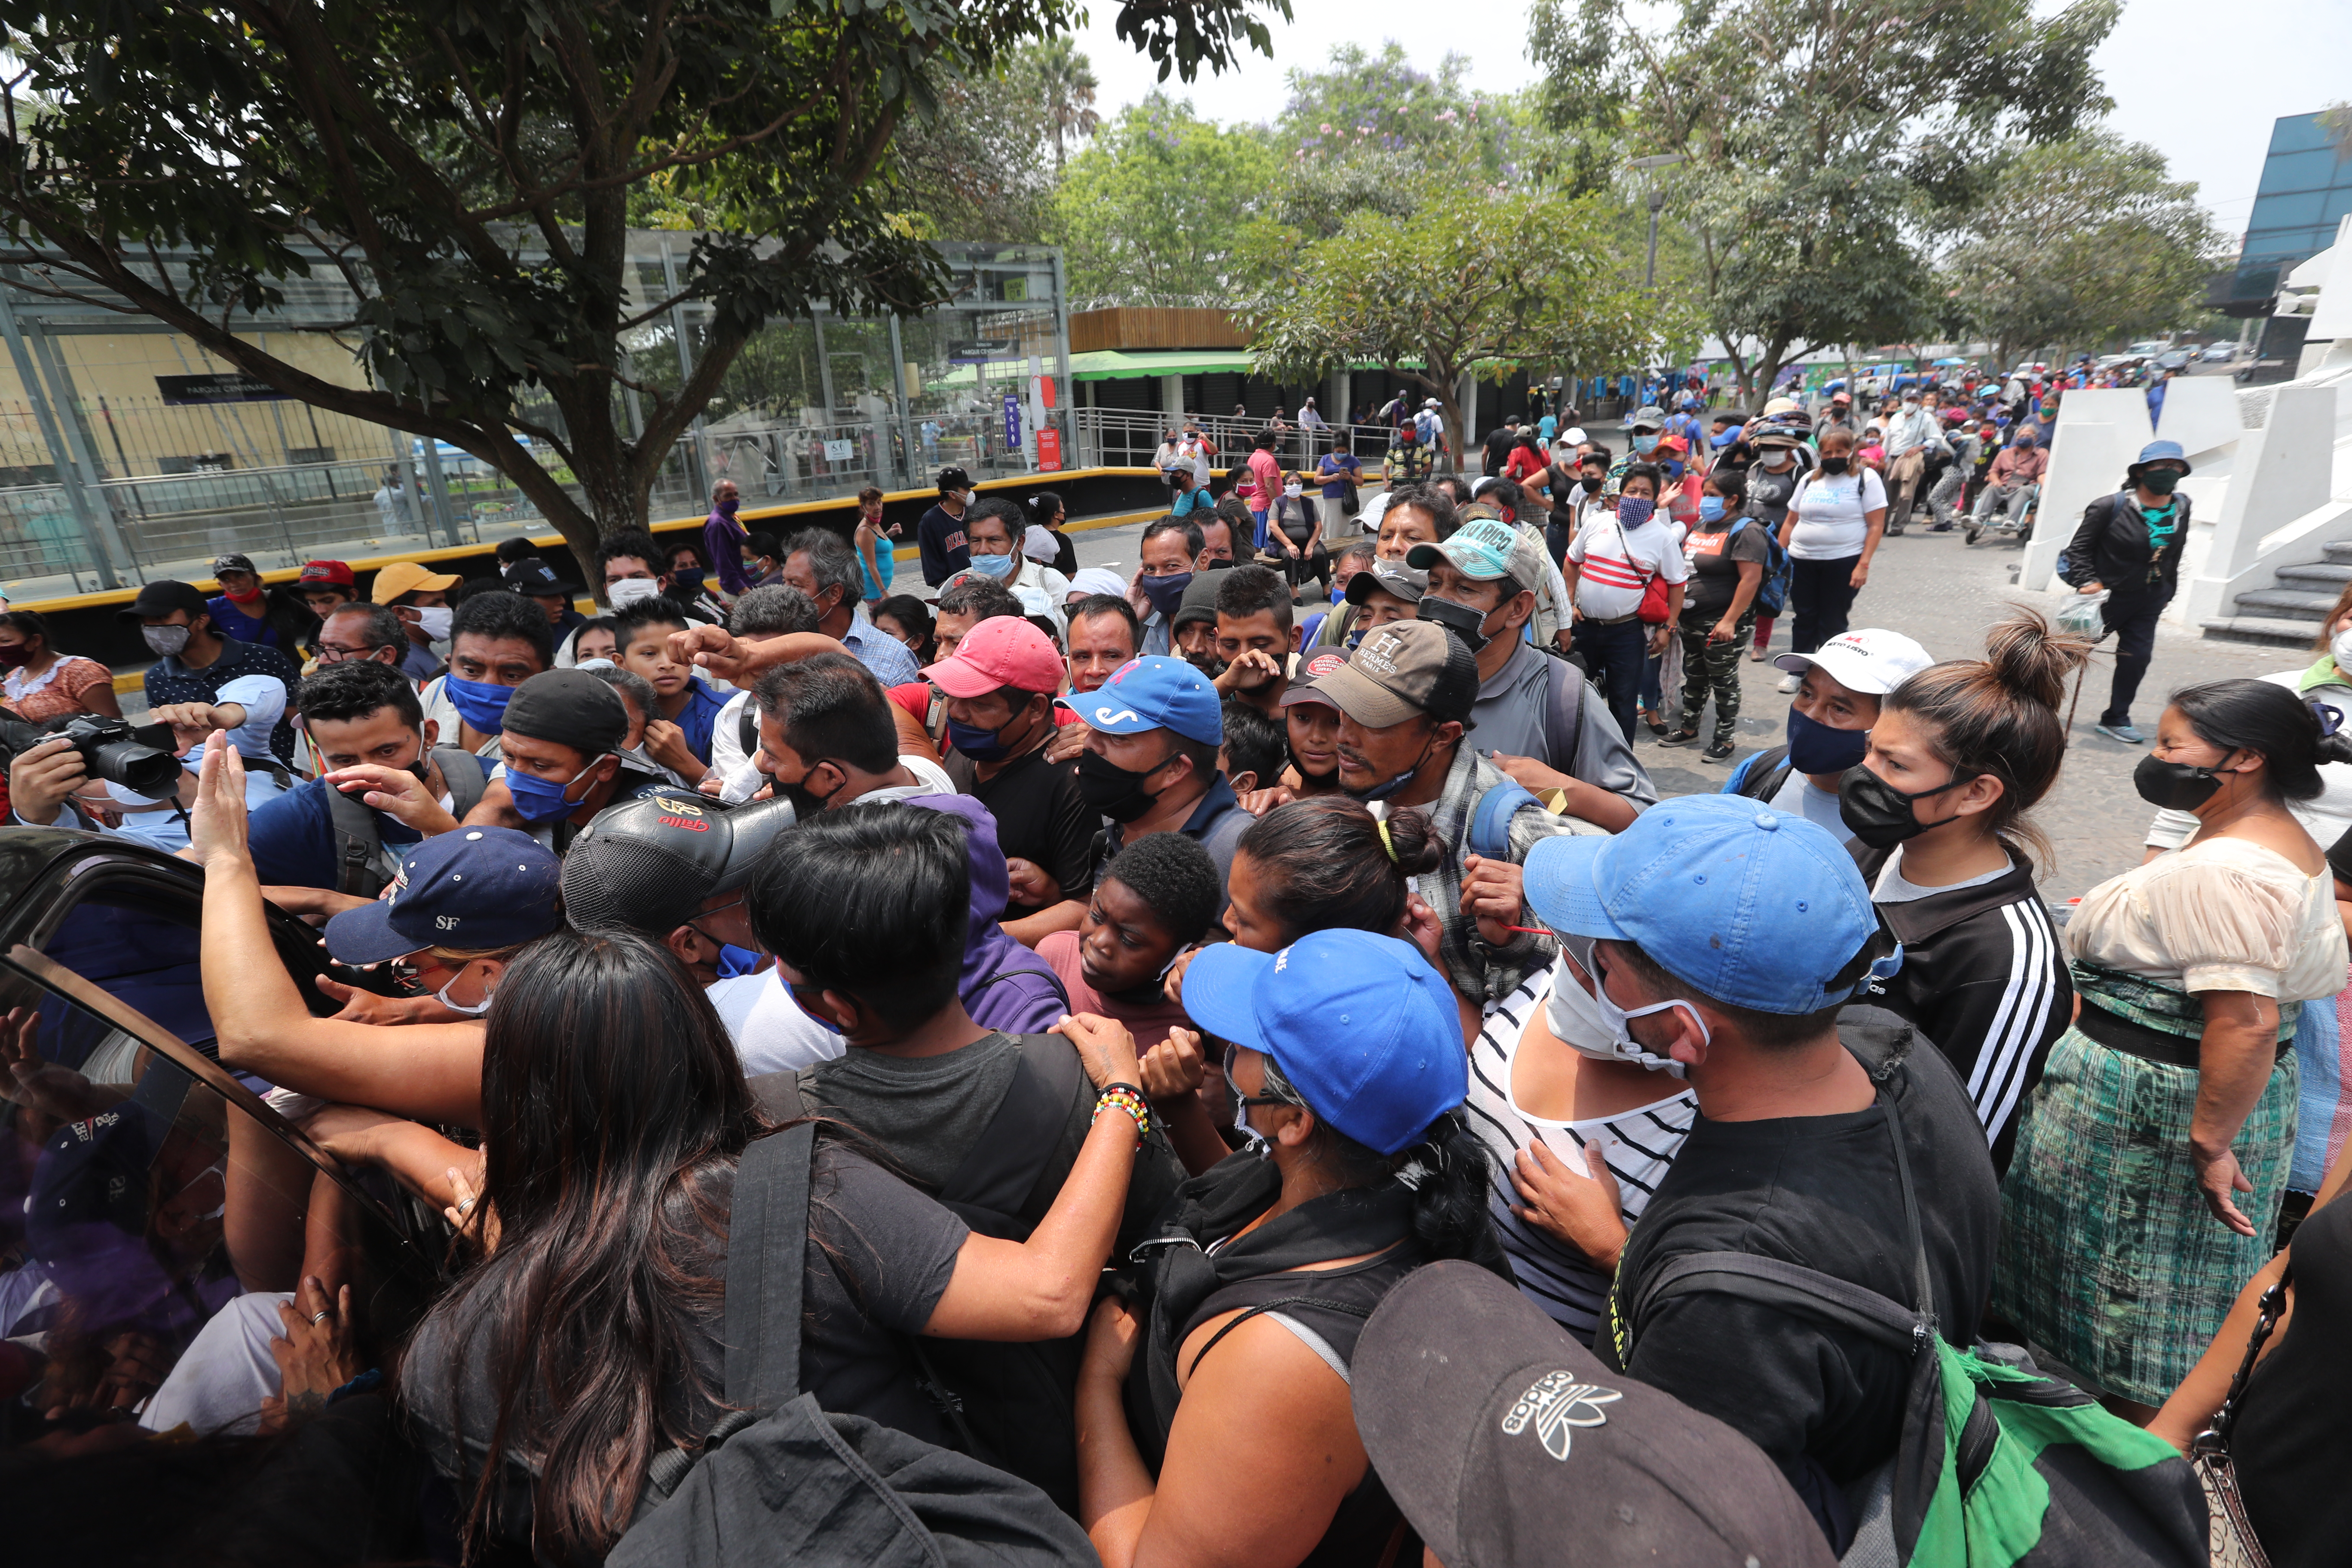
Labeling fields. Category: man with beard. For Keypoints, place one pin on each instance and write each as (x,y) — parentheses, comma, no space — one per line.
(1254,638)
(1192,637)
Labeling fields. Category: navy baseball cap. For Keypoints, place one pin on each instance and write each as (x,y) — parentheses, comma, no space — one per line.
(1154,693)
(1360,1024)
(475,888)
(1753,907)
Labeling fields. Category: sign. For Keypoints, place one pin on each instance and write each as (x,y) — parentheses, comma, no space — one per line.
(979,349)
(840,451)
(1049,449)
(1012,422)
(1046,390)
(233,386)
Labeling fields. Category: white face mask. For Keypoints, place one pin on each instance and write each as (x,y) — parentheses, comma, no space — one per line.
(433,621)
(2339,649)
(630,591)
(1595,1026)
(472,1010)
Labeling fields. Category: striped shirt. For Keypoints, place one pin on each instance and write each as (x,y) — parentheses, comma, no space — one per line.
(1614,565)
(1639,1145)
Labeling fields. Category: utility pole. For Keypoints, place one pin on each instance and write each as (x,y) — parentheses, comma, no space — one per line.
(1657,204)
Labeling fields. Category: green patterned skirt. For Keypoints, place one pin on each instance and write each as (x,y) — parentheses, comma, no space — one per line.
(2108,1256)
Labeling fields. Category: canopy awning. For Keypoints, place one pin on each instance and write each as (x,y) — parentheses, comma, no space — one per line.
(1123,365)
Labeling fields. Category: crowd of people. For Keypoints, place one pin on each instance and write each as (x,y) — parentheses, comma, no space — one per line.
(1236,1054)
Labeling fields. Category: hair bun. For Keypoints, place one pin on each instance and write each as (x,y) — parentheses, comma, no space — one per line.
(2032,657)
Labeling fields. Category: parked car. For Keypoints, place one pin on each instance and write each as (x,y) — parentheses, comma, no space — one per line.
(2176,359)
(2219,354)
(144,1188)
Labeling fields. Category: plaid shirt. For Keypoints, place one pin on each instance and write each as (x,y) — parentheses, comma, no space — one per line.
(1483,972)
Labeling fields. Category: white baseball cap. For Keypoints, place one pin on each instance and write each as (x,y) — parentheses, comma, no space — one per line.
(1870,661)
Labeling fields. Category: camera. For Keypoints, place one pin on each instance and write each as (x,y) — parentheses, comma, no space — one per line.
(139,757)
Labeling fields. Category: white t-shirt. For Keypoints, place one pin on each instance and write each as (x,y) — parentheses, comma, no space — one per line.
(1614,565)
(1639,1146)
(1831,514)
(771,1033)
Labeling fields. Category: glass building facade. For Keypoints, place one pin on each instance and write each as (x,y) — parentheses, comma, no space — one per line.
(2305,190)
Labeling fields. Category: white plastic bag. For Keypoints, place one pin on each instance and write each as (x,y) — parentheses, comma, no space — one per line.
(2080,614)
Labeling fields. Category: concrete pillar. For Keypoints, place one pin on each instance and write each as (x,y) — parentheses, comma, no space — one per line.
(1339,396)
(2281,475)
(2100,432)
(1172,398)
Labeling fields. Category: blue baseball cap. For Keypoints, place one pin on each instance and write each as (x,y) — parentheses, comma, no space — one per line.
(1154,693)
(1753,907)
(1361,1025)
(477,888)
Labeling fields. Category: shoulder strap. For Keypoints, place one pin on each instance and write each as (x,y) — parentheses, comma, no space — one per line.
(358,844)
(1306,1336)
(1005,1173)
(462,772)
(747,728)
(1565,693)
(766,1260)
(1490,819)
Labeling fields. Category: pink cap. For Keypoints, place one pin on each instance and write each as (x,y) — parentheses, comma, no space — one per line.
(1003,650)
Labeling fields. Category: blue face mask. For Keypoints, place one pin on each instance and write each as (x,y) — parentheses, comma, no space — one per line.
(978,742)
(542,800)
(1645,445)
(1815,748)
(480,702)
(998,566)
(1722,438)
(735,961)
(1710,508)
(819,1019)
(1632,511)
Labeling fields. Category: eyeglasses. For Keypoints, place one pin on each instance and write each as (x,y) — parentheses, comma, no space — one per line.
(329,653)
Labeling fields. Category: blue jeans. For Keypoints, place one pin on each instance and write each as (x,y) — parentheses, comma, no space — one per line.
(1615,657)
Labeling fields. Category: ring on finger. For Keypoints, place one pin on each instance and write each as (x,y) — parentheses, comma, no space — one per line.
(465,1205)
(322,1315)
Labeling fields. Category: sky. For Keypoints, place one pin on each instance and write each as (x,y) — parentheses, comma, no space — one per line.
(2201,90)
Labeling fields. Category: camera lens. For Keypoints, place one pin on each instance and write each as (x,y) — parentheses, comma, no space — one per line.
(140,769)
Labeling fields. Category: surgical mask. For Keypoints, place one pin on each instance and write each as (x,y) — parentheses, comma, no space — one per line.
(1710,508)
(630,591)
(1878,812)
(481,703)
(471,1009)
(1778,457)
(164,641)
(2159,481)
(1645,445)
(1815,748)
(433,620)
(1461,620)
(1836,466)
(542,800)
(1632,511)
(1116,791)
(1167,593)
(2175,786)
(2339,649)
(1580,1019)
(997,566)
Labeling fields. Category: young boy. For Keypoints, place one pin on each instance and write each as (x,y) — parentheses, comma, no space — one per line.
(1255,748)
(641,636)
(1156,898)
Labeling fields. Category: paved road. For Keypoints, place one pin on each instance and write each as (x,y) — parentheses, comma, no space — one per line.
(1932,587)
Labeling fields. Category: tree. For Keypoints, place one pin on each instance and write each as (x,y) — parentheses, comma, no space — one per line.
(2086,240)
(1155,211)
(1826,141)
(1066,84)
(1455,287)
(977,169)
(468,173)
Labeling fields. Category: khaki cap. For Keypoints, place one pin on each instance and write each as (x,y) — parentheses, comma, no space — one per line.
(1402,670)
(408,577)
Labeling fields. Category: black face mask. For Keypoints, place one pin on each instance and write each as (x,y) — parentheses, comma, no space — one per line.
(1836,465)
(1464,622)
(685,583)
(1878,812)
(2175,786)
(1114,791)
(807,803)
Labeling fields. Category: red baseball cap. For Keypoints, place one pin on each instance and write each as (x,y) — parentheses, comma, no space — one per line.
(1003,650)
(332,571)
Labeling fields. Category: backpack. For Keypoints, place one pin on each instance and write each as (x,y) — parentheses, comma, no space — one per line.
(1760,776)
(1999,1465)
(362,866)
(1772,589)
(860,1494)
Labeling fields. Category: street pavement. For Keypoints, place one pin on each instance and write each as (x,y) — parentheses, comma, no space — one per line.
(1933,587)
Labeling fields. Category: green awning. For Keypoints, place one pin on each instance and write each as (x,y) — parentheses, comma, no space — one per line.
(1117,365)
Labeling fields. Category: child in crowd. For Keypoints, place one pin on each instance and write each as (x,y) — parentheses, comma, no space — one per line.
(1157,897)
(1255,748)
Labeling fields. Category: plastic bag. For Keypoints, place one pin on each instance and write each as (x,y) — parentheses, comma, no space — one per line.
(2080,614)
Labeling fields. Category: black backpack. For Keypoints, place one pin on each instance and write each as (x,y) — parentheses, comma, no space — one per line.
(362,867)
(781,1480)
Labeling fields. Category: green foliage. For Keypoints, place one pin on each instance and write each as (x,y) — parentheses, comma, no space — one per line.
(1155,211)
(2082,242)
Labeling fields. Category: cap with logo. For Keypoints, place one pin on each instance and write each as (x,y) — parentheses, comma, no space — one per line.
(535,579)
(1388,576)
(475,888)
(570,707)
(408,577)
(1873,662)
(325,574)
(160,597)
(1500,1438)
(1003,650)
(1153,692)
(1360,1024)
(649,865)
(953,479)
(1483,550)
(1303,685)
(1403,670)
(235,562)
(1752,906)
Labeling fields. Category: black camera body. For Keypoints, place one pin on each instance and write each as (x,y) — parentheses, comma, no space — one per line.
(139,757)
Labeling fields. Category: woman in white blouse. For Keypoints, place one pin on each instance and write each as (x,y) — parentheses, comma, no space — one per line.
(1832,530)
(2155,1152)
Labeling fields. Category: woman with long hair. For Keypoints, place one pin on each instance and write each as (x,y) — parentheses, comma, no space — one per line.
(42,683)
(1960,753)
(2159,1139)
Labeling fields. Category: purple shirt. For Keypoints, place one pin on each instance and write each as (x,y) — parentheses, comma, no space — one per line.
(723,539)
(1004,985)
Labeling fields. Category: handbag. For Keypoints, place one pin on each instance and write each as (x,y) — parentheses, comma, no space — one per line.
(2230,1531)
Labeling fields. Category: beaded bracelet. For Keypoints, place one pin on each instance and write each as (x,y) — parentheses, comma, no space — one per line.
(1125,1099)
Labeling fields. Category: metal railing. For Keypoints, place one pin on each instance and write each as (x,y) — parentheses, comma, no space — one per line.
(1130,438)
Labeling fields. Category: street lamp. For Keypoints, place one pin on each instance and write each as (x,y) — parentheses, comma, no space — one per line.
(1657,201)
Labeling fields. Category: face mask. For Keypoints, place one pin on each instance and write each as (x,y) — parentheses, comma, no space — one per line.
(1383,791)
(12,658)
(1167,593)
(1645,445)
(630,591)
(1578,1019)
(819,1019)
(2339,649)
(2159,481)
(1710,508)
(980,744)
(1464,622)
(1834,466)
(164,641)
(1632,511)
(997,566)
(541,800)
(2025,443)
(1815,748)
(1777,457)
(433,620)
(1722,439)
(252,597)
(686,582)
(1114,791)
(1878,812)
(2175,786)
(478,702)
(471,1010)
(807,803)
(729,507)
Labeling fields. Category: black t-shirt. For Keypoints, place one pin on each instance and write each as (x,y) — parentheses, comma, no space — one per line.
(1499,442)
(1040,816)
(1819,1191)
(2292,1443)
(879,1258)
(1714,555)
(1768,493)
